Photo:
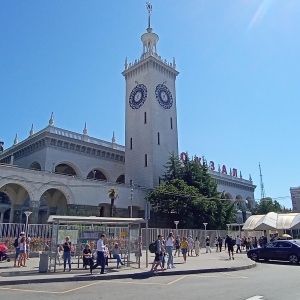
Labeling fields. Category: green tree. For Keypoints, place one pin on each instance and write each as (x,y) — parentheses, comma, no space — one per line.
(112,194)
(267,205)
(190,195)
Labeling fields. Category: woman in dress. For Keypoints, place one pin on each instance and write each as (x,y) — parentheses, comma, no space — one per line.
(197,246)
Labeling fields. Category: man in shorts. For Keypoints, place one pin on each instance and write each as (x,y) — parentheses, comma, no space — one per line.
(158,255)
(177,246)
(18,247)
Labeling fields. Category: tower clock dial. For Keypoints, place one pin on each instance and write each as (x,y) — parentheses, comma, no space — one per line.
(138,96)
(164,96)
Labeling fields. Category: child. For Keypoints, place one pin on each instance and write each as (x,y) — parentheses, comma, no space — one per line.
(184,248)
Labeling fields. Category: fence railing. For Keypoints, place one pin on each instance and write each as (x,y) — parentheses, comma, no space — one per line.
(44,233)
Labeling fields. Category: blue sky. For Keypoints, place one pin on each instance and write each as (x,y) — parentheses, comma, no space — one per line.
(237,91)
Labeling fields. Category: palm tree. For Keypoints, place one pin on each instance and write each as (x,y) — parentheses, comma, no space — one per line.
(112,194)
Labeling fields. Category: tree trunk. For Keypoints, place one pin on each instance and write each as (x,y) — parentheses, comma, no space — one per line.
(112,202)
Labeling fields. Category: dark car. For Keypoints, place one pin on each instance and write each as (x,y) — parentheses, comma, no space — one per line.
(288,250)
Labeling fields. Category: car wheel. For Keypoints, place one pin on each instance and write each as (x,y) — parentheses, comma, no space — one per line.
(254,256)
(8,260)
(293,259)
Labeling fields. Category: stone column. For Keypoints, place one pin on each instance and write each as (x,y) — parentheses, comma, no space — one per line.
(16,213)
(1,216)
(52,210)
(34,207)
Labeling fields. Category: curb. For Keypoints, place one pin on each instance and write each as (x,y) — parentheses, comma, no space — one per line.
(141,275)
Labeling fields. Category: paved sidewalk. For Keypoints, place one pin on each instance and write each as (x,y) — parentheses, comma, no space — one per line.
(204,263)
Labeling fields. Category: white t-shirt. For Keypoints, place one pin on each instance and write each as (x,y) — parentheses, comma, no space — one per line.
(169,242)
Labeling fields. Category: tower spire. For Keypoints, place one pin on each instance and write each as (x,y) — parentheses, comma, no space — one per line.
(149,8)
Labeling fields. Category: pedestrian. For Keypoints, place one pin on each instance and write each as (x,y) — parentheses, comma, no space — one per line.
(67,253)
(17,246)
(101,252)
(169,248)
(137,250)
(22,252)
(87,257)
(224,242)
(177,246)
(28,239)
(216,243)
(116,254)
(191,245)
(229,242)
(158,255)
(197,246)
(238,244)
(184,248)
(207,244)
(220,243)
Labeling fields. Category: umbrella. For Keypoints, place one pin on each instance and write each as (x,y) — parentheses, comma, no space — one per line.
(286,236)
(3,248)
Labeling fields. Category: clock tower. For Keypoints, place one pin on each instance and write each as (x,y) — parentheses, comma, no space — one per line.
(151,119)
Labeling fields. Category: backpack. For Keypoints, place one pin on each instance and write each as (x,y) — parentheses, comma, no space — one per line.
(152,247)
(16,242)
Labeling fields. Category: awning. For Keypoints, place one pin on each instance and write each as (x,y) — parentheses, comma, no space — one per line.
(94,220)
(273,221)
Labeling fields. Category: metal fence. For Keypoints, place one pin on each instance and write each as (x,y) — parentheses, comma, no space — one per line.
(45,232)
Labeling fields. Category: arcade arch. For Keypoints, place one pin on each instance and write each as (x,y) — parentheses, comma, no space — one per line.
(67,168)
(121,179)
(97,174)
(36,166)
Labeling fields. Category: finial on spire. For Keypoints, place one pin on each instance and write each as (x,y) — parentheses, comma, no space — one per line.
(51,121)
(16,140)
(126,64)
(241,175)
(149,8)
(85,131)
(113,139)
(250,178)
(31,130)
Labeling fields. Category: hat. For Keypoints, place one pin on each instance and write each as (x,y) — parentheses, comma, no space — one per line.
(22,233)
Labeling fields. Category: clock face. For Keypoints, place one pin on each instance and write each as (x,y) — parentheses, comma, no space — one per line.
(138,96)
(164,96)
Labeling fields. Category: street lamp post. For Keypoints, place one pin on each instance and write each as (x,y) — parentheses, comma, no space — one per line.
(131,198)
(27,214)
(228,227)
(176,224)
(205,224)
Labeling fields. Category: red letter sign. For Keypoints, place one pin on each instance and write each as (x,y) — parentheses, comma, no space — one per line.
(198,160)
(224,171)
(234,172)
(183,157)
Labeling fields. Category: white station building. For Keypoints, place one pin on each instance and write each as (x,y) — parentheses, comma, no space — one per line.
(57,171)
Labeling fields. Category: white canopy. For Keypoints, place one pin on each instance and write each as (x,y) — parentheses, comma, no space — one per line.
(273,221)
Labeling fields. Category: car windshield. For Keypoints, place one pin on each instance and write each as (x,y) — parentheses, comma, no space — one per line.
(296,243)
